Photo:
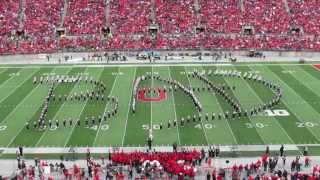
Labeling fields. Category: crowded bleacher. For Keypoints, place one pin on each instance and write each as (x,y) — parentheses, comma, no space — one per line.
(85,17)
(30,26)
(221,16)
(187,164)
(130,17)
(42,17)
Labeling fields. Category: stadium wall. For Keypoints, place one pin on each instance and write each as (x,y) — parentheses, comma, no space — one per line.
(79,55)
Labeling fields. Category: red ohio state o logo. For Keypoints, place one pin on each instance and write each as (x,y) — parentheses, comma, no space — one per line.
(142,95)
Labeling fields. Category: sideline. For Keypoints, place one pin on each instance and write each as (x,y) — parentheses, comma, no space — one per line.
(100,150)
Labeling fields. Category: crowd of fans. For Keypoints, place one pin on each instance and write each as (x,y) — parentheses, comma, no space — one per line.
(266,16)
(176,163)
(221,16)
(9,16)
(91,25)
(176,16)
(190,164)
(306,14)
(85,17)
(42,17)
(128,17)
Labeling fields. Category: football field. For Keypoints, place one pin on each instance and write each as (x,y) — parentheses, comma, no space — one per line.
(294,120)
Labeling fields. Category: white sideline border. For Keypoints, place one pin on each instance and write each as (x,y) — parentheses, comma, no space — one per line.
(101,150)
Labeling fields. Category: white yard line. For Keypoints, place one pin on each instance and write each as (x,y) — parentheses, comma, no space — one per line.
(306,84)
(106,107)
(284,102)
(14,110)
(74,124)
(16,86)
(204,131)
(99,150)
(228,124)
(260,100)
(152,83)
(249,118)
(174,107)
(60,109)
(2,70)
(129,107)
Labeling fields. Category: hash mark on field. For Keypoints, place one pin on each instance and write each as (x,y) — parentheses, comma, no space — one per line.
(60,109)
(229,127)
(174,107)
(83,107)
(260,100)
(286,104)
(249,118)
(11,141)
(106,106)
(125,127)
(151,101)
(14,110)
(204,131)
(16,87)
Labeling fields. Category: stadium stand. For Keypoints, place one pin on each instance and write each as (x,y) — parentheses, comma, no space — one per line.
(176,16)
(9,16)
(85,17)
(29,26)
(306,14)
(221,16)
(169,165)
(129,17)
(42,17)
(268,17)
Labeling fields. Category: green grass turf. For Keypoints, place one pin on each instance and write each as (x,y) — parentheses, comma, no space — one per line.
(20,102)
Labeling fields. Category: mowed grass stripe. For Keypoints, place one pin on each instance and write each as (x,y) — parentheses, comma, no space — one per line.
(34,135)
(312,83)
(15,121)
(16,94)
(3,70)
(269,127)
(163,111)
(311,70)
(299,93)
(57,105)
(115,134)
(93,108)
(308,81)
(5,74)
(104,126)
(69,109)
(15,81)
(88,103)
(289,123)
(135,134)
(174,107)
(184,107)
(201,120)
(243,134)
(218,132)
